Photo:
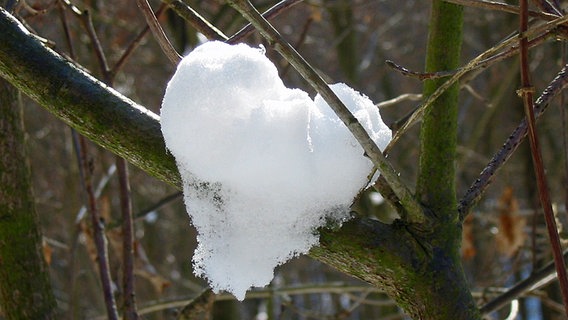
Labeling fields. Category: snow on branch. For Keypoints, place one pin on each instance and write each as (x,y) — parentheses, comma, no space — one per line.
(414,212)
(263,166)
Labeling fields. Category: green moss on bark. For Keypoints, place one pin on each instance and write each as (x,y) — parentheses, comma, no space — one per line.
(83,102)
(25,291)
(438,136)
(425,279)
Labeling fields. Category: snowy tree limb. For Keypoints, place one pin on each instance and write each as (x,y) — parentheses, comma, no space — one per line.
(387,256)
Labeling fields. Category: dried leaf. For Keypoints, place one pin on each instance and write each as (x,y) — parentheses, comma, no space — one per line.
(143,268)
(468,241)
(47,252)
(158,282)
(511,234)
(86,237)
(316,13)
(105,208)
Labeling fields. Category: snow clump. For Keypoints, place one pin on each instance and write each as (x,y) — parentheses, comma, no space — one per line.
(263,166)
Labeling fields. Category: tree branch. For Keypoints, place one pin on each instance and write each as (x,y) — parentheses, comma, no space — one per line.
(504,7)
(99,237)
(535,281)
(100,113)
(158,32)
(527,92)
(196,20)
(435,185)
(478,62)
(559,83)
(269,14)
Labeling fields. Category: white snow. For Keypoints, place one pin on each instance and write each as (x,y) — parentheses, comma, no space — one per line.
(263,166)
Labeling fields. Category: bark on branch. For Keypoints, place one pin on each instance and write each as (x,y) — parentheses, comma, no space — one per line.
(83,102)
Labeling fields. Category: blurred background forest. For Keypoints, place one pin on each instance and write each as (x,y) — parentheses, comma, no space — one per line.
(347,41)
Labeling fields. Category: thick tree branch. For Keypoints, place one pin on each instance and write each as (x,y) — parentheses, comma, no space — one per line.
(85,103)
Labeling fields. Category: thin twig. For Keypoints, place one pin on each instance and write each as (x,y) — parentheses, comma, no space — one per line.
(65,25)
(76,11)
(129,304)
(527,94)
(504,7)
(536,280)
(158,32)
(511,144)
(103,182)
(99,52)
(414,212)
(98,233)
(419,75)
(564,134)
(31,11)
(143,213)
(196,20)
(76,147)
(133,45)
(546,6)
(162,202)
(477,62)
(129,301)
(399,99)
(299,42)
(328,288)
(484,63)
(269,14)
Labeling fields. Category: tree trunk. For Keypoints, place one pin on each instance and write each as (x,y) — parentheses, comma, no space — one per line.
(422,270)
(25,291)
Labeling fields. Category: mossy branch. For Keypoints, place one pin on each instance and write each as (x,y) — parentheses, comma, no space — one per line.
(438,136)
(83,102)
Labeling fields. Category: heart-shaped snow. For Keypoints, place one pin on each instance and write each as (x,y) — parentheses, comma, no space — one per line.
(263,165)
